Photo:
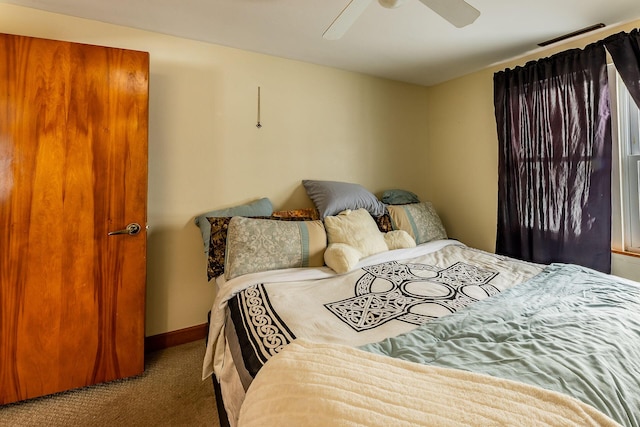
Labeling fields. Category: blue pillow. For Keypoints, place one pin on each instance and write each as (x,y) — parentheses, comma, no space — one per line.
(261,207)
(399,197)
(333,197)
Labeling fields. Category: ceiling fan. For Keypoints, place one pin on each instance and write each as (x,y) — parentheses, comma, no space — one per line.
(457,12)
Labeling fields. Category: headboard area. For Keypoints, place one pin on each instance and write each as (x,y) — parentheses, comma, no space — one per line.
(261,239)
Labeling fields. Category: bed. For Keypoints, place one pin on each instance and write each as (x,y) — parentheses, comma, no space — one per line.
(429,333)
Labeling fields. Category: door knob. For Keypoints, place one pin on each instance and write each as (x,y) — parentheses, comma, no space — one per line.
(131,229)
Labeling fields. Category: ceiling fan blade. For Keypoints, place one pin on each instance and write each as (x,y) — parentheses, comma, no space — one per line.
(458,12)
(345,19)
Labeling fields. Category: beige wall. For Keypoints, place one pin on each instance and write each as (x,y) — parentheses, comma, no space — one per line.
(205,151)
(463,147)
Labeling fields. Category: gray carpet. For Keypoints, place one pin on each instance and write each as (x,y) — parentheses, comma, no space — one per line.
(169,393)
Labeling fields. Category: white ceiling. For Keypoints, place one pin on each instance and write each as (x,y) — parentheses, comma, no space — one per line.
(410,43)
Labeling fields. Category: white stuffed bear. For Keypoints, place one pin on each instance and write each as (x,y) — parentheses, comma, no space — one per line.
(353,235)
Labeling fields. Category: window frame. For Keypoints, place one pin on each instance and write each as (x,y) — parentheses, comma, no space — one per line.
(625,195)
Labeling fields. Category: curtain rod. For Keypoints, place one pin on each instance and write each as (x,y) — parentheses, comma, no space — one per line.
(573,34)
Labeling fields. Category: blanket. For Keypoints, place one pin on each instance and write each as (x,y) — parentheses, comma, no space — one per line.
(311,384)
(569,329)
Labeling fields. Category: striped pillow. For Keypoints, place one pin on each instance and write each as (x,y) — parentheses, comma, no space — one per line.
(420,220)
(255,245)
(218,238)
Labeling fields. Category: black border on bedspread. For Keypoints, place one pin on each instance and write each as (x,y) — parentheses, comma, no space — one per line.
(223,418)
(262,334)
(251,362)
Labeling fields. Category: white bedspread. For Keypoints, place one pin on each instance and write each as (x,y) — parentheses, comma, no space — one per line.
(299,295)
(308,302)
(293,277)
(313,384)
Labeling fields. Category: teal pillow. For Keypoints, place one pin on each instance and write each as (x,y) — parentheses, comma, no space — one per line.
(399,197)
(261,207)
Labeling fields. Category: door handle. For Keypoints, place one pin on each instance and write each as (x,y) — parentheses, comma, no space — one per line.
(131,229)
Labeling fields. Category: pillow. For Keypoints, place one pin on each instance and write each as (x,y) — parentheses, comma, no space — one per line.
(220,225)
(384,222)
(356,229)
(420,220)
(261,207)
(352,235)
(304,214)
(341,257)
(255,245)
(218,245)
(399,197)
(399,239)
(333,197)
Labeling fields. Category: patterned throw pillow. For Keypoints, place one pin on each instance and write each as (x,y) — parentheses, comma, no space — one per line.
(420,220)
(384,223)
(217,246)
(218,235)
(304,214)
(255,245)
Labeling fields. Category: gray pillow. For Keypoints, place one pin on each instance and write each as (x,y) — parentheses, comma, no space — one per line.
(399,197)
(261,207)
(333,197)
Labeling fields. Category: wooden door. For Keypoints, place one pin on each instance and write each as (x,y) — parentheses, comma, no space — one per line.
(73,167)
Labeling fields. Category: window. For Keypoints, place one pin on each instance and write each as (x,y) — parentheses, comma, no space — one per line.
(625,117)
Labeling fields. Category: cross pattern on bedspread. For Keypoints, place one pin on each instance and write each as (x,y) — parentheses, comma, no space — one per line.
(369,309)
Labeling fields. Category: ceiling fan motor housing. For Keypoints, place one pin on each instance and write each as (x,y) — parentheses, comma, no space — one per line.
(391,4)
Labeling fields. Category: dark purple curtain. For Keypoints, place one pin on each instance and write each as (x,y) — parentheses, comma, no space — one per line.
(625,52)
(554,184)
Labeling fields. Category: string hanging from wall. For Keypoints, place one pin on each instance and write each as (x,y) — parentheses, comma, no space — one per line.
(258,125)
